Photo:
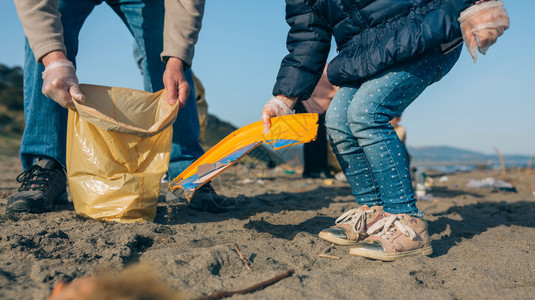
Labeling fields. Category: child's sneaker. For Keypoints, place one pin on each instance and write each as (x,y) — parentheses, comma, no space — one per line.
(394,237)
(352,225)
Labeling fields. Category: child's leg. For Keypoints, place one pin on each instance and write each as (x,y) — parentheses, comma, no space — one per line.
(378,101)
(348,151)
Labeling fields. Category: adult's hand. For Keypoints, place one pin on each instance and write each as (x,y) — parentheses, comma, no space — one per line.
(276,107)
(59,80)
(175,83)
(482,24)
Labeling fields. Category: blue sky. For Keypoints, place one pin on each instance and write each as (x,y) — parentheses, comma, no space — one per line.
(475,107)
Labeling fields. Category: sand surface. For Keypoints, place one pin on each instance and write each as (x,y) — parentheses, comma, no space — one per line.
(483,241)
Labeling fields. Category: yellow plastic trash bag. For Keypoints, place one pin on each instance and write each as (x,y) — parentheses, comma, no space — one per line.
(118,149)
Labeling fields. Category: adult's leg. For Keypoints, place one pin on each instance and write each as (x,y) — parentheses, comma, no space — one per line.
(145,21)
(315,152)
(348,151)
(46,121)
(378,101)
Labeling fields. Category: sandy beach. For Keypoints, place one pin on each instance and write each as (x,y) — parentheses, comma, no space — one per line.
(483,241)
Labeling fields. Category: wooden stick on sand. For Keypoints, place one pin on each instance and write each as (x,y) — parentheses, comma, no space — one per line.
(325,255)
(329,256)
(259,286)
(242,257)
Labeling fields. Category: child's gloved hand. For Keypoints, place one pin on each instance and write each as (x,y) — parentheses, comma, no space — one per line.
(482,24)
(61,84)
(275,107)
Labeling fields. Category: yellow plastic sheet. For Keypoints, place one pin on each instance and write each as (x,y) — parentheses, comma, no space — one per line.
(285,131)
(118,149)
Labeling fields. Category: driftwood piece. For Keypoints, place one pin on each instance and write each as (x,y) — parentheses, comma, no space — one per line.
(329,256)
(328,248)
(245,261)
(256,287)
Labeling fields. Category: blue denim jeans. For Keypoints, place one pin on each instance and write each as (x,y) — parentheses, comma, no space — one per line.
(370,153)
(46,121)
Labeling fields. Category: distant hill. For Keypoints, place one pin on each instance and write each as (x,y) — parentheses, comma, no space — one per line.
(451,155)
(11,109)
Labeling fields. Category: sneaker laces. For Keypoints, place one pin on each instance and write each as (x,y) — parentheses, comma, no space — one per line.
(35,178)
(355,217)
(389,225)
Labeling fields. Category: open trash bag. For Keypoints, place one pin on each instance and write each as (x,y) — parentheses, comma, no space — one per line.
(118,149)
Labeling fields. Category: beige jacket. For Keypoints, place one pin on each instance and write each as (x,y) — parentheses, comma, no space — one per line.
(42,26)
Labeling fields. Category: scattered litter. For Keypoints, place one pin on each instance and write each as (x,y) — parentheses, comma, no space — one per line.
(340,177)
(328,182)
(247,181)
(422,184)
(165,179)
(490,182)
(428,197)
(285,131)
(443,179)
(260,181)
(289,171)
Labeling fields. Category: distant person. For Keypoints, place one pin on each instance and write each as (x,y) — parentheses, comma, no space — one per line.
(402,134)
(52,28)
(388,53)
(316,153)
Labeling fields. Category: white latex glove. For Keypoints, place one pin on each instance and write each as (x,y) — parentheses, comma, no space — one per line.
(482,24)
(275,107)
(61,84)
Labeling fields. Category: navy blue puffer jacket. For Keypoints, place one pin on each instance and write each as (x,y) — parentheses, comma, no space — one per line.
(371,35)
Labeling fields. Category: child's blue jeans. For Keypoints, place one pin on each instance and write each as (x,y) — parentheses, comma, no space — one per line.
(370,153)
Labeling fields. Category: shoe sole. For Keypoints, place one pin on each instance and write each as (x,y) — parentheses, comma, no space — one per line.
(21,206)
(335,240)
(389,256)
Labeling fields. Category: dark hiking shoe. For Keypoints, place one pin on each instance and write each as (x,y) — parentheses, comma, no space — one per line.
(206,199)
(41,185)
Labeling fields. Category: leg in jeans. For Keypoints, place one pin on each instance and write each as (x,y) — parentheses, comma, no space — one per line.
(43,181)
(46,121)
(350,155)
(372,142)
(145,21)
(315,153)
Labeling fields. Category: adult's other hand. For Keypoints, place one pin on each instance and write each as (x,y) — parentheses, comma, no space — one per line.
(175,83)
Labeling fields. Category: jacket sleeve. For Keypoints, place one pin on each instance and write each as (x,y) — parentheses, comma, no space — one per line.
(309,42)
(183,21)
(41,22)
(460,5)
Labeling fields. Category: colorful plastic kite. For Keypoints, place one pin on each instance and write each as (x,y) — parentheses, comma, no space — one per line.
(285,131)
